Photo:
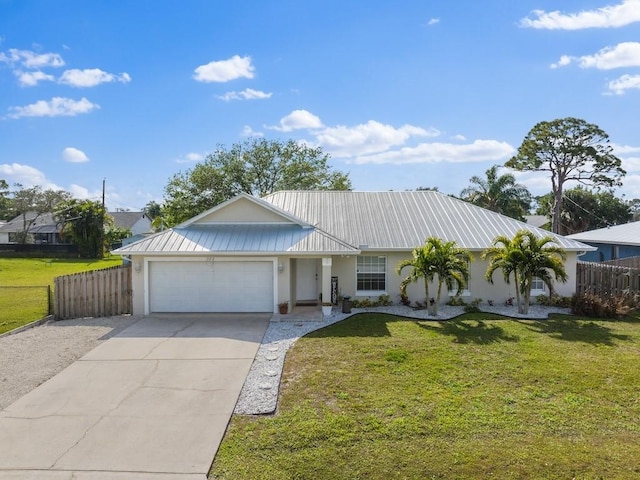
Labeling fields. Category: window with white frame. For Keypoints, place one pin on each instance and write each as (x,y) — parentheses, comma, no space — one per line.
(537,286)
(454,288)
(371,274)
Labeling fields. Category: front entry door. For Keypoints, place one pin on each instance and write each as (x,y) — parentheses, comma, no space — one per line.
(306,280)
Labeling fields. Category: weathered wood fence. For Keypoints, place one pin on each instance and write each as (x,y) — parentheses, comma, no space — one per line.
(629,262)
(604,280)
(98,293)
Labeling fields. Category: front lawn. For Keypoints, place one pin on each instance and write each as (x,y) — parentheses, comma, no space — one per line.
(20,305)
(379,397)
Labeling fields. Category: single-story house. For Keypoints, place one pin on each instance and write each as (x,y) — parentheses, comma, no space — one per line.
(611,243)
(301,247)
(46,230)
(43,229)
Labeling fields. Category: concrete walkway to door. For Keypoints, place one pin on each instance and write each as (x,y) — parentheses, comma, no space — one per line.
(151,403)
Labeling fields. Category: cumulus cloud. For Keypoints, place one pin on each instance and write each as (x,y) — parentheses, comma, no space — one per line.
(370,137)
(298,120)
(30,59)
(433,21)
(478,151)
(619,86)
(191,157)
(24,175)
(247,131)
(91,77)
(626,54)
(246,94)
(624,13)
(73,155)
(31,79)
(225,70)
(56,107)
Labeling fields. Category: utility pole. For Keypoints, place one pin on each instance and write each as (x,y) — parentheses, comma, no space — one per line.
(104,180)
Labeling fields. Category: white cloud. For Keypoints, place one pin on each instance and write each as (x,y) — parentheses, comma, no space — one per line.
(625,13)
(225,70)
(626,54)
(246,94)
(622,149)
(370,137)
(29,59)
(619,86)
(191,157)
(56,107)
(31,79)
(73,155)
(462,138)
(298,120)
(24,175)
(247,131)
(91,77)
(478,151)
(433,21)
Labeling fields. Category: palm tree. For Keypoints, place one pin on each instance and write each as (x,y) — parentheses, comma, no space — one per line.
(526,257)
(436,257)
(499,194)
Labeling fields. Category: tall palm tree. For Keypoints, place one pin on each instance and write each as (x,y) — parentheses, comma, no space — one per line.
(436,257)
(499,194)
(526,257)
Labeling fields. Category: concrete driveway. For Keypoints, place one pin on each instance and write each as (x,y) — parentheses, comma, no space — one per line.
(151,403)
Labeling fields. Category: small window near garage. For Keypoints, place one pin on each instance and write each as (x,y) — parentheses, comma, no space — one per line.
(371,275)
(537,286)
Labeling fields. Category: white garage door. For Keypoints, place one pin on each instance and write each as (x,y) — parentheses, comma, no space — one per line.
(211,286)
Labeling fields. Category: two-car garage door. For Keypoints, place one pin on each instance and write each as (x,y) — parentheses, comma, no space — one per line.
(211,286)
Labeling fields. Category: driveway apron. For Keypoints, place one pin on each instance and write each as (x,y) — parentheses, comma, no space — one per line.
(150,403)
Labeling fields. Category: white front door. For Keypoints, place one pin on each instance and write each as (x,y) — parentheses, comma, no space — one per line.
(306,280)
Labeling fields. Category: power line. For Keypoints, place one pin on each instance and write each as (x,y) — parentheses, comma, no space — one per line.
(587,211)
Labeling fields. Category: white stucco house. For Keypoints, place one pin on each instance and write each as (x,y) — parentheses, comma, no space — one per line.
(250,254)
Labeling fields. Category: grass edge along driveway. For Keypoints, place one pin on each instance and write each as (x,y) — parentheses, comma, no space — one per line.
(380,397)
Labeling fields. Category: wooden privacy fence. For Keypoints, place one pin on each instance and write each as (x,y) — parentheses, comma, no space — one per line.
(604,280)
(629,262)
(98,293)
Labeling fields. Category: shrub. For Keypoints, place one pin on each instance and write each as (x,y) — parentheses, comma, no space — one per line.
(554,301)
(610,306)
(474,306)
(404,300)
(456,301)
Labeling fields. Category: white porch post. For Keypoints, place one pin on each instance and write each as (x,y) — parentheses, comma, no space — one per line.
(326,280)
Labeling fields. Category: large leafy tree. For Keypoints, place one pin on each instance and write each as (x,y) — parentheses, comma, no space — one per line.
(258,167)
(526,257)
(440,260)
(584,209)
(570,149)
(5,201)
(85,222)
(31,203)
(498,193)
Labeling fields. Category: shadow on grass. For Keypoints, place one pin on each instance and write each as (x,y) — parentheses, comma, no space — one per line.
(576,330)
(470,331)
(359,325)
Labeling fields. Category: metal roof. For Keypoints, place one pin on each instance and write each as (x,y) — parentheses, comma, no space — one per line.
(625,234)
(403,220)
(238,238)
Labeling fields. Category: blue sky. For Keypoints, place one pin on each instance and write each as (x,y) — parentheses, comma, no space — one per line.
(402,94)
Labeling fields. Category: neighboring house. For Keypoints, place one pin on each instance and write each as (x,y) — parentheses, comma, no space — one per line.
(540,221)
(46,230)
(137,222)
(619,241)
(250,254)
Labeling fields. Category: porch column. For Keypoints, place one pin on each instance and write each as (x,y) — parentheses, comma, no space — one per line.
(326,279)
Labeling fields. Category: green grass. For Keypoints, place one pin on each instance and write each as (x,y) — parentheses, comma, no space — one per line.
(378,397)
(19,306)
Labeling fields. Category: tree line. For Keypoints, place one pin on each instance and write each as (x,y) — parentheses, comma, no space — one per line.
(570,150)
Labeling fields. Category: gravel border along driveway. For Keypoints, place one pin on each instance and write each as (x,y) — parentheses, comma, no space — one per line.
(31,357)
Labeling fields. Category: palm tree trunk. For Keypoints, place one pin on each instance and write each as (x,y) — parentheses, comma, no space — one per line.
(437,302)
(426,291)
(517,284)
